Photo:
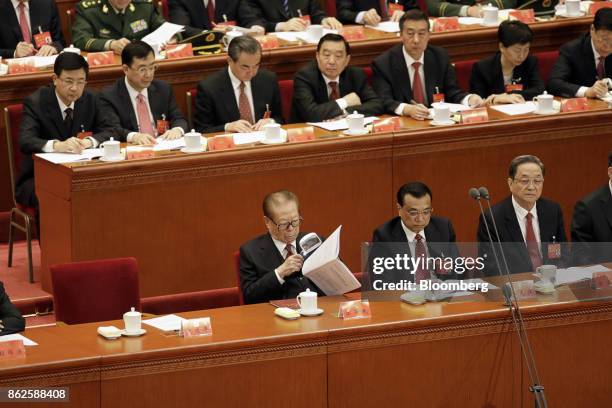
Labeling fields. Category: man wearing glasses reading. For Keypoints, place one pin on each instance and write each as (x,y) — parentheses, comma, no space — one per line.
(270,265)
(139,106)
(534,223)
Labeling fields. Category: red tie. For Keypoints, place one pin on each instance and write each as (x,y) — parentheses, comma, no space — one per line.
(243,105)
(419,252)
(289,249)
(532,243)
(211,12)
(23,23)
(333,85)
(600,68)
(417,85)
(144,119)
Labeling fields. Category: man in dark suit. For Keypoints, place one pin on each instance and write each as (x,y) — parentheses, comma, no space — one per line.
(240,98)
(38,16)
(53,118)
(584,66)
(11,320)
(329,88)
(140,107)
(592,225)
(284,15)
(270,265)
(530,227)
(369,11)
(407,75)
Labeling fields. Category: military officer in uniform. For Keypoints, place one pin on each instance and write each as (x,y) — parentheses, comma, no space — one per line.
(541,8)
(464,8)
(103,25)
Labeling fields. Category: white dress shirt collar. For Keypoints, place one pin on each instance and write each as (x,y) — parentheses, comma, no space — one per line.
(63,106)
(236,81)
(409,60)
(280,245)
(411,235)
(16,4)
(133,92)
(328,80)
(522,213)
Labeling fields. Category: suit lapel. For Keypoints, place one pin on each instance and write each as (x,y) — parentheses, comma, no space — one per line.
(229,97)
(498,74)
(13,20)
(126,103)
(400,71)
(512,225)
(53,111)
(431,80)
(587,51)
(154,103)
(79,117)
(546,222)
(35,20)
(606,206)
(258,92)
(270,253)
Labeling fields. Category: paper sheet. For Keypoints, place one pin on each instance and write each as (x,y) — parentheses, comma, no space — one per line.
(248,138)
(169,144)
(165,323)
(163,34)
(26,341)
(302,36)
(387,26)
(515,108)
(340,124)
(41,62)
(577,273)
(59,158)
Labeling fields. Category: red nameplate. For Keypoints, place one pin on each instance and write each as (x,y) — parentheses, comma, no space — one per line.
(393,7)
(526,16)
(524,289)
(514,87)
(601,280)
(42,39)
(446,24)
(475,115)
(554,250)
(98,59)
(574,105)
(302,134)
(162,126)
(599,5)
(438,97)
(138,152)
(352,33)
(175,51)
(196,327)
(83,135)
(11,349)
(268,42)
(387,125)
(21,65)
(306,19)
(221,143)
(356,309)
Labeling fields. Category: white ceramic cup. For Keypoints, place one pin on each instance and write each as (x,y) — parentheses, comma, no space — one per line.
(441,112)
(132,321)
(544,102)
(193,140)
(73,49)
(229,36)
(307,301)
(572,8)
(355,122)
(548,273)
(315,32)
(112,149)
(272,131)
(490,14)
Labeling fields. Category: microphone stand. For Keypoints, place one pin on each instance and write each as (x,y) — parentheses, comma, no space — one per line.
(511,301)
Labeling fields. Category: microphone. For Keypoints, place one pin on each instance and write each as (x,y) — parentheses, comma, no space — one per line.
(484,193)
(474,193)
(309,243)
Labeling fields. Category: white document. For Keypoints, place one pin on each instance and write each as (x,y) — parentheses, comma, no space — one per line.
(387,26)
(26,341)
(515,108)
(248,138)
(42,62)
(165,323)
(163,34)
(301,36)
(327,271)
(470,20)
(577,273)
(59,158)
(290,36)
(340,124)
(169,144)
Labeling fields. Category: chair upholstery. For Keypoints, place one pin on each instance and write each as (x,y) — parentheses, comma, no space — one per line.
(185,302)
(163,9)
(463,71)
(546,60)
(190,98)
(238,280)
(330,8)
(286,93)
(94,291)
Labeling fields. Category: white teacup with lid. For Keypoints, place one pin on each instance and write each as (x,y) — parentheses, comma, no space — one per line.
(72,49)
(544,103)
(356,122)
(441,112)
(132,321)
(572,8)
(112,150)
(193,141)
(490,14)
(307,301)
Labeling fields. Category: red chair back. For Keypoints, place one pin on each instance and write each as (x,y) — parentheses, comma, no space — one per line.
(12,118)
(185,302)
(94,291)
(238,280)
(546,60)
(463,71)
(286,93)
(423,6)
(330,8)
(164,9)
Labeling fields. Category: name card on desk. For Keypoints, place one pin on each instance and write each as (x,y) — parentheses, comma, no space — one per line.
(574,105)
(302,134)
(446,24)
(393,7)
(601,280)
(12,349)
(352,33)
(221,143)
(175,51)
(21,65)
(98,59)
(593,8)
(387,125)
(475,115)
(268,42)
(523,290)
(355,309)
(525,16)
(196,327)
(139,152)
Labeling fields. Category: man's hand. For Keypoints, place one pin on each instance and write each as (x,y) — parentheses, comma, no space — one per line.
(172,134)
(24,49)
(475,11)
(504,98)
(331,23)
(143,139)
(257,30)
(1,325)
(418,112)
(352,99)
(291,265)
(117,46)
(475,101)
(261,123)
(71,145)
(599,89)
(46,50)
(86,143)
(239,126)
(294,24)
(397,14)
(371,17)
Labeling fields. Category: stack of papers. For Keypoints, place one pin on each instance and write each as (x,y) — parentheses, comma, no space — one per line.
(163,144)
(387,26)
(169,322)
(515,108)
(577,273)
(43,62)
(340,124)
(248,138)
(163,34)
(59,158)
(26,341)
(293,36)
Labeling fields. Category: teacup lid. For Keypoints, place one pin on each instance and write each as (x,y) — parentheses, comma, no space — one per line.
(308,292)
(490,7)
(132,312)
(193,133)
(545,95)
(355,114)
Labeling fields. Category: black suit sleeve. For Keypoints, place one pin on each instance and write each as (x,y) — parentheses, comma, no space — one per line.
(180,15)
(371,104)
(251,13)
(316,14)
(11,319)
(256,288)
(304,101)
(479,83)
(204,117)
(175,116)
(382,81)
(29,134)
(112,118)
(56,29)
(345,11)
(560,75)
(534,83)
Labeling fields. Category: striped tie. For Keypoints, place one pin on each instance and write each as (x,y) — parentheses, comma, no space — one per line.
(286,7)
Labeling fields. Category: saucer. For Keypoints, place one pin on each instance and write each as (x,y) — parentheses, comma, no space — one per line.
(550,112)
(442,123)
(281,139)
(190,150)
(544,288)
(563,13)
(105,159)
(138,334)
(318,312)
(361,132)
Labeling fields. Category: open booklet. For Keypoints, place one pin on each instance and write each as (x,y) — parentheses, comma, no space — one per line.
(327,271)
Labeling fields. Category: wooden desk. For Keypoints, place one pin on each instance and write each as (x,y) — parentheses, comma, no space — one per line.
(438,354)
(183,216)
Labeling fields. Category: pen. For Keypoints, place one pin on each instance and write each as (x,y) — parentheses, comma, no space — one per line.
(267,113)
(225,18)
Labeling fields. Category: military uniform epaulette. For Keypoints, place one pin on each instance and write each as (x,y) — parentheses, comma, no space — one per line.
(142,1)
(90,3)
